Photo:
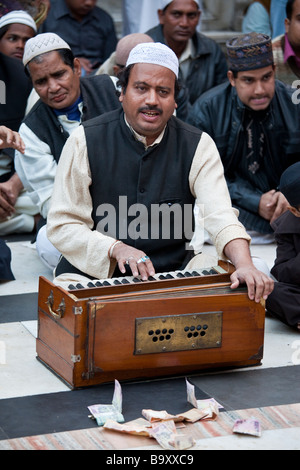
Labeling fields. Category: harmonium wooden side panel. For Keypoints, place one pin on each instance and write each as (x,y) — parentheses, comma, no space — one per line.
(95,335)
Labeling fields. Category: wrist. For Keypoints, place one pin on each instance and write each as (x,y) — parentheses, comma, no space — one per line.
(111,249)
(16,183)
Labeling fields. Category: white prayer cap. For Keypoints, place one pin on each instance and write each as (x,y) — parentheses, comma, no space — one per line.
(165,3)
(127,43)
(19,17)
(42,43)
(154,53)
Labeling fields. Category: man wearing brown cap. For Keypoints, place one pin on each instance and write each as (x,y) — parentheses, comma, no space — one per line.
(255,125)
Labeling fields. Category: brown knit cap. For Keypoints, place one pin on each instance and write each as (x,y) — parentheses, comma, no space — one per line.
(249,52)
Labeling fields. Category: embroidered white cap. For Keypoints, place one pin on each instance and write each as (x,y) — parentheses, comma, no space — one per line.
(165,3)
(42,43)
(154,53)
(18,17)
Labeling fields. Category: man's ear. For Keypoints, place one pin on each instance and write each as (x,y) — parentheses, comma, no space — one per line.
(287,23)
(231,77)
(121,97)
(116,70)
(77,67)
(161,16)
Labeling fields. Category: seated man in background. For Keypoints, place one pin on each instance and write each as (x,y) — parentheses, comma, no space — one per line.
(202,63)
(66,100)
(88,29)
(284,302)
(117,61)
(15,29)
(286,48)
(111,185)
(256,128)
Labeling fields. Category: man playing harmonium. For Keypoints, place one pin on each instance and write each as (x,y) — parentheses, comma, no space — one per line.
(115,172)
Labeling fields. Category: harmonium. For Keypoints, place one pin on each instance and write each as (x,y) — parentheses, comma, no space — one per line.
(124,329)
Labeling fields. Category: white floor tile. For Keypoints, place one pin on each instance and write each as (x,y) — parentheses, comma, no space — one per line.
(20,372)
(27,268)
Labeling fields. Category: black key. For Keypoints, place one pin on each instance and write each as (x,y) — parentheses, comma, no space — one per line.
(90,284)
(169,276)
(106,283)
(162,277)
(71,287)
(117,282)
(180,275)
(125,281)
(194,273)
(187,274)
(136,279)
(79,286)
(206,273)
(151,278)
(213,271)
(98,284)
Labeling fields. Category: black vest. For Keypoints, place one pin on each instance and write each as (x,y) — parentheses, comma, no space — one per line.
(142,197)
(99,97)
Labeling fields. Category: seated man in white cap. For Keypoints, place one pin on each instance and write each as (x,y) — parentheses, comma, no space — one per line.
(118,171)
(66,100)
(15,29)
(117,62)
(202,64)
(17,211)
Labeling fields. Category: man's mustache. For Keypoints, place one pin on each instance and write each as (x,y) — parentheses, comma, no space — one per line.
(146,109)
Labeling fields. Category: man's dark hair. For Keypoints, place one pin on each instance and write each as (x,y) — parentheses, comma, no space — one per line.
(66,55)
(236,72)
(289,9)
(4,30)
(124,75)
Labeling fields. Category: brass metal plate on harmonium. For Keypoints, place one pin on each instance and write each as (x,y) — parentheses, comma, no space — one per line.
(169,327)
(178,333)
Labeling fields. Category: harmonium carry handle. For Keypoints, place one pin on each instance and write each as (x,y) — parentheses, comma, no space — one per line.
(61,308)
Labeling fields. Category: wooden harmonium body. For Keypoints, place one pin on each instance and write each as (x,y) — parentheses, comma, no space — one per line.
(192,322)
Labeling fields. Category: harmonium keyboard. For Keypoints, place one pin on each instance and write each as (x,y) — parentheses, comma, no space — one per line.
(124,329)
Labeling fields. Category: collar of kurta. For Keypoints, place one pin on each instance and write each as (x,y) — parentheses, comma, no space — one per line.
(142,138)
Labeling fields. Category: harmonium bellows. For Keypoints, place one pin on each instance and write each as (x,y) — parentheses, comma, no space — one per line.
(170,325)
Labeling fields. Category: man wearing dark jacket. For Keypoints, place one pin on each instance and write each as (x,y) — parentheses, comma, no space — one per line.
(255,125)
(202,64)
(66,100)
(284,302)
